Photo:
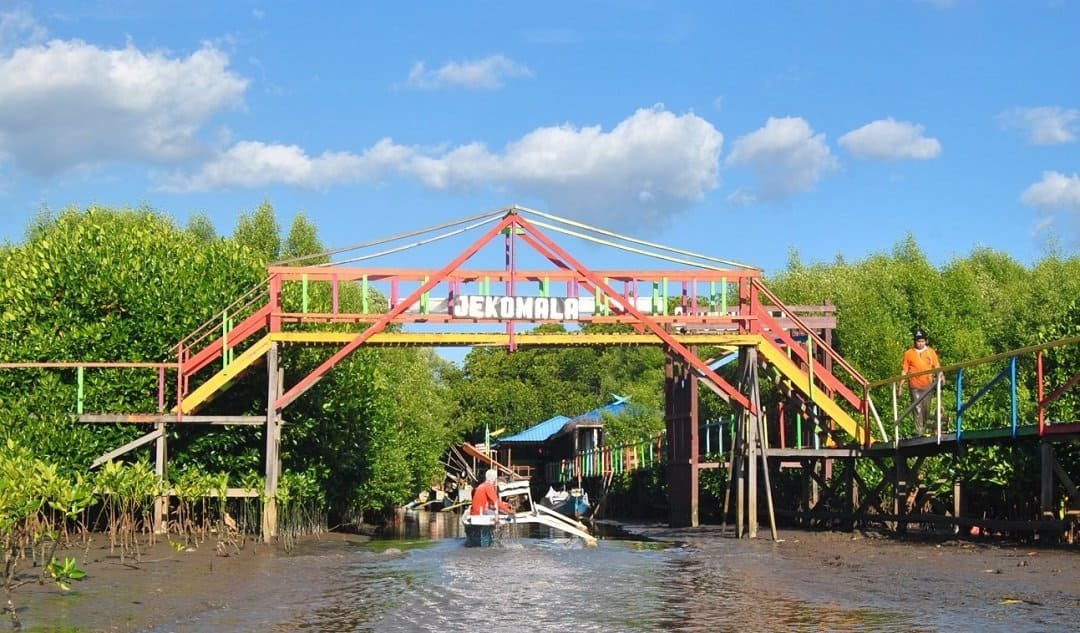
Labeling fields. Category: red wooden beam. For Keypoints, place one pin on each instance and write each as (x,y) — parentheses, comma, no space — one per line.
(238,334)
(820,372)
(316,375)
(674,345)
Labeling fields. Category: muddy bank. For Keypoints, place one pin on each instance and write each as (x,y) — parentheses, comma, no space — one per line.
(1041,584)
(941,586)
(172,589)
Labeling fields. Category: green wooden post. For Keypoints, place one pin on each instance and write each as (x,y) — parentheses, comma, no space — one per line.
(304,298)
(424,299)
(663,306)
(224,339)
(723,295)
(79,404)
(364,294)
(232,351)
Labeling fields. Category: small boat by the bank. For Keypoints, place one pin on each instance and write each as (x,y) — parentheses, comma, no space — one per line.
(574,503)
(480,529)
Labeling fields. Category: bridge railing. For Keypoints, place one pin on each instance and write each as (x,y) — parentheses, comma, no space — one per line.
(1006,392)
(824,366)
(609,460)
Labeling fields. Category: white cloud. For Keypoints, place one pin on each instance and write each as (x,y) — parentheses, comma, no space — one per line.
(648,167)
(785,156)
(890,139)
(18,28)
(255,164)
(487,74)
(1055,191)
(1047,125)
(69,104)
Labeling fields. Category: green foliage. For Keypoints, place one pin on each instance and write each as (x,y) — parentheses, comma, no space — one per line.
(202,228)
(102,285)
(303,241)
(631,424)
(259,232)
(515,391)
(35,499)
(65,572)
(107,285)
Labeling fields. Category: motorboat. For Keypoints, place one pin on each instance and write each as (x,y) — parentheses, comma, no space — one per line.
(480,529)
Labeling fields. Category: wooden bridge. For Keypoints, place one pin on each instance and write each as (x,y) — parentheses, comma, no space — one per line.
(685,303)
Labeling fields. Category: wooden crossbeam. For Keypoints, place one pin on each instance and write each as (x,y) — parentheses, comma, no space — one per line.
(170,418)
(132,445)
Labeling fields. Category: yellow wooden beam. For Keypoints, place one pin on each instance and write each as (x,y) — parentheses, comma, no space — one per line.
(470,339)
(219,381)
(800,380)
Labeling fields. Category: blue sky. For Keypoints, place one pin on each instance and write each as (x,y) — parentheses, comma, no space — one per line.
(729,129)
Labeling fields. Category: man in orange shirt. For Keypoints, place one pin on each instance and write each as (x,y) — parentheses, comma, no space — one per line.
(920,357)
(485,498)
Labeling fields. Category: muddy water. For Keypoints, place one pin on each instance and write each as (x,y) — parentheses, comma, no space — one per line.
(422,578)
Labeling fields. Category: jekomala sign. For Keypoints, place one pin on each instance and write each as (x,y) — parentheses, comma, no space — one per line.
(516,308)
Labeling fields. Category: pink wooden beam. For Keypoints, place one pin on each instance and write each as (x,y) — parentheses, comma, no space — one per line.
(378,326)
(663,335)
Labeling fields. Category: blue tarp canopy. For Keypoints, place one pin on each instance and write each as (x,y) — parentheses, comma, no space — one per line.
(538,433)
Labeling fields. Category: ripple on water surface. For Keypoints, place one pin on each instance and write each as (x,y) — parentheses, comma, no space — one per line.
(557,585)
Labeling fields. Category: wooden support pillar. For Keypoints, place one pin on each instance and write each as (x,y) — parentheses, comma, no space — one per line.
(161,503)
(958,500)
(273,444)
(900,492)
(752,437)
(853,494)
(681,417)
(1046,478)
(747,449)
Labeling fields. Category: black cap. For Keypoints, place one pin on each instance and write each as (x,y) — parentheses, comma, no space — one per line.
(918,334)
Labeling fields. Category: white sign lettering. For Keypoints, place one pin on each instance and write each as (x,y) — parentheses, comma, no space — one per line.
(516,308)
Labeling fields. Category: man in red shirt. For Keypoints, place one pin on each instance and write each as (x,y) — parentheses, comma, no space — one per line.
(920,357)
(485,498)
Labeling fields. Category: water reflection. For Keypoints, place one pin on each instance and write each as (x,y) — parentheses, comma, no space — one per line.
(550,583)
(422,578)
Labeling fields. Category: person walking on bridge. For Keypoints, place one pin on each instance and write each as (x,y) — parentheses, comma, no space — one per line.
(485,498)
(920,357)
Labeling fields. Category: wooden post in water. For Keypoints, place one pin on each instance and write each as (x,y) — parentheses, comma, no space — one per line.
(161,503)
(763,441)
(161,455)
(273,444)
(680,396)
(853,493)
(1046,478)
